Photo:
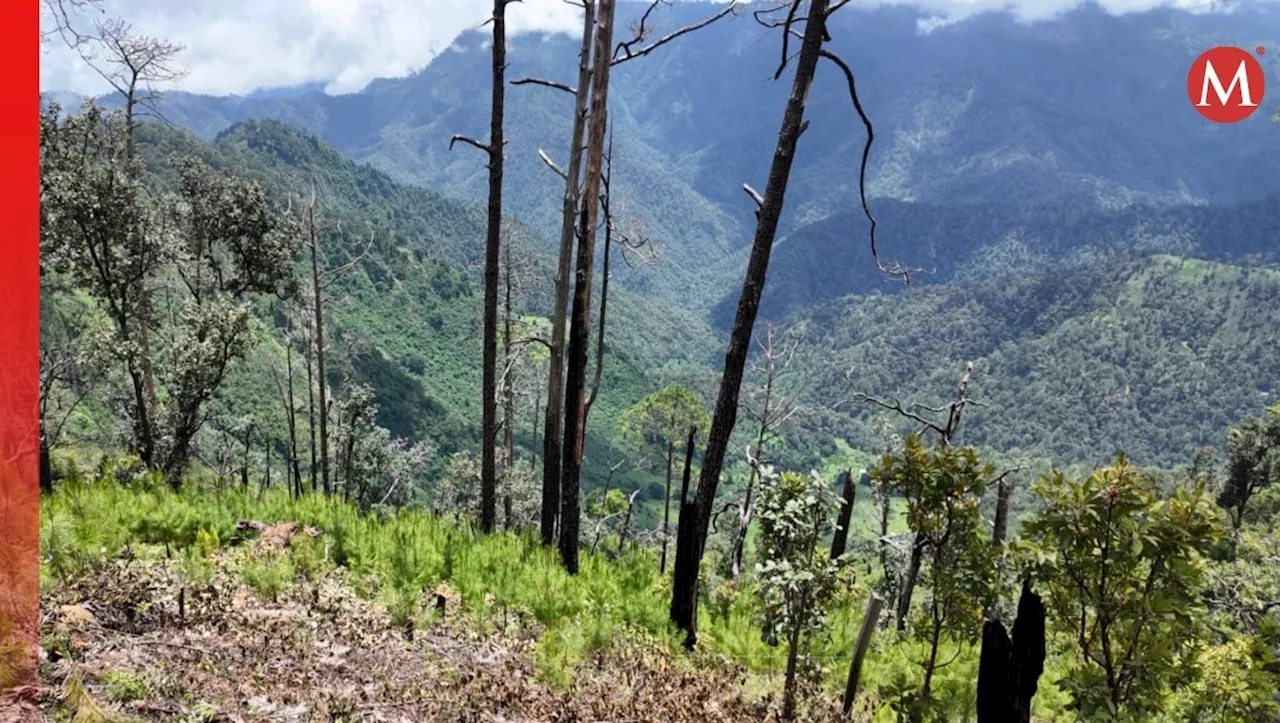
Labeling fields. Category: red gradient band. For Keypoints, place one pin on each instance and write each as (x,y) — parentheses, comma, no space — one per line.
(19,342)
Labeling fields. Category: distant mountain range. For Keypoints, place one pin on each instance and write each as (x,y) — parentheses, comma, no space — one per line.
(1013,163)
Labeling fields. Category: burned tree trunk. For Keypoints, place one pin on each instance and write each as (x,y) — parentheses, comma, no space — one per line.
(46,465)
(689,556)
(684,607)
(666,509)
(493,242)
(841,538)
(494,151)
(553,432)
(580,324)
(1009,669)
(322,396)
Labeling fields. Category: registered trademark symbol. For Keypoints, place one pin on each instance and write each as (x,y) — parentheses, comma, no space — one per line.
(1261,50)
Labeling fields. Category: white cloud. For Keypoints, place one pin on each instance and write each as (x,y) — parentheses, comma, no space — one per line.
(237,46)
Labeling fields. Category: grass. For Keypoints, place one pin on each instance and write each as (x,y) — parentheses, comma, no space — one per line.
(500,580)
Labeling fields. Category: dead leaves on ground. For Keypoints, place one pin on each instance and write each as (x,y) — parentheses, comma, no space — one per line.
(323,653)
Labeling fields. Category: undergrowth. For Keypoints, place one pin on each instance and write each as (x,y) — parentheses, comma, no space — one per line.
(502,581)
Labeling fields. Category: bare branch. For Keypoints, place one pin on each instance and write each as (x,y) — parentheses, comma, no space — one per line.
(896,270)
(642,32)
(546,83)
(755,196)
(471,142)
(338,271)
(552,165)
(786,37)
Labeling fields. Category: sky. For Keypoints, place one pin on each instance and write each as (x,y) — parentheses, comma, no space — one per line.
(238,46)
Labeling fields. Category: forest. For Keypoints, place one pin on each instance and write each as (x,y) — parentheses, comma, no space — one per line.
(500,418)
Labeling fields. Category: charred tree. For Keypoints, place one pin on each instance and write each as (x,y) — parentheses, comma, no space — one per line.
(553,427)
(1009,669)
(850,496)
(770,205)
(686,540)
(580,322)
(494,149)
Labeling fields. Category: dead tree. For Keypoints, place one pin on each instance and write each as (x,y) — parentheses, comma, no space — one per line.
(634,245)
(1009,669)
(553,431)
(495,151)
(284,387)
(321,279)
(579,328)
(770,412)
(134,65)
(686,541)
(946,431)
(869,619)
(849,498)
(63,14)
(626,523)
(555,427)
(515,269)
(307,342)
(769,211)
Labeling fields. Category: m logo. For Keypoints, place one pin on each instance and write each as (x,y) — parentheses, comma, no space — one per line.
(1226,84)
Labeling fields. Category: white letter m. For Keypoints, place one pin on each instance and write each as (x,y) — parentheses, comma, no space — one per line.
(1241,78)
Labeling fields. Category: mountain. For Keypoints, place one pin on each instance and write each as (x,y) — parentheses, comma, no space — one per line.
(409,311)
(1154,356)
(1032,196)
(1101,118)
(991,243)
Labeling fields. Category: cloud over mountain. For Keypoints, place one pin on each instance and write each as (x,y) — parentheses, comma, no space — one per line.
(237,46)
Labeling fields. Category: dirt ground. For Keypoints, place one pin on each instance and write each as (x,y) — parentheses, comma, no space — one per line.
(126,643)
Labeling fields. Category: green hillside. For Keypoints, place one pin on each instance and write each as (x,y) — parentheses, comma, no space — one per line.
(406,318)
(989,243)
(1151,356)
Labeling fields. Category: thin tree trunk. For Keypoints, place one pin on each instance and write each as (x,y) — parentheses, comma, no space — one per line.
(841,538)
(579,329)
(1001,526)
(321,382)
(493,243)
(869,618)
(909,583)
(666,508)
(311,420)
(508,398)
(46,465)
(146,400)
(244,462)
(745,515)
(144,432)
(999,530)
(685,594)
(553,434)
(626,523)
(789,683)
(291,417)
(604,283)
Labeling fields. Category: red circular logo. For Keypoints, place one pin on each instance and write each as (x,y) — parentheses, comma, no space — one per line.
(1226,84)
